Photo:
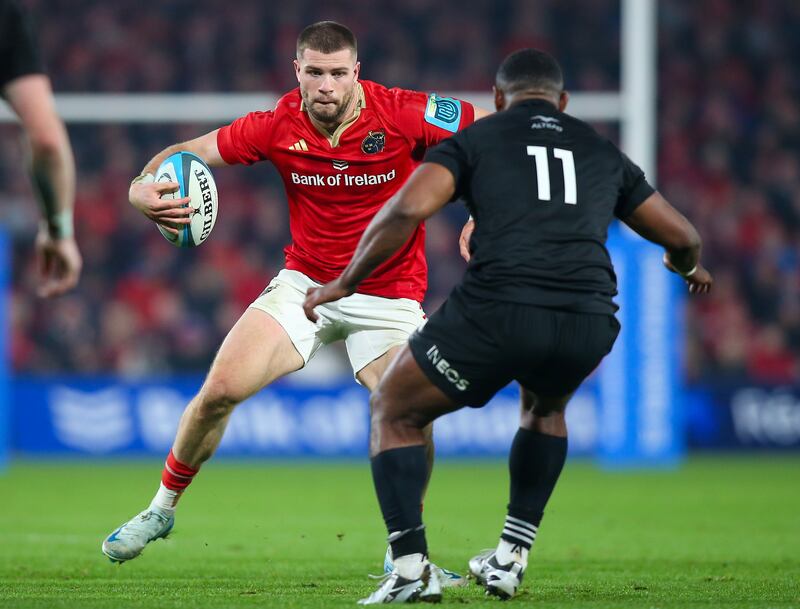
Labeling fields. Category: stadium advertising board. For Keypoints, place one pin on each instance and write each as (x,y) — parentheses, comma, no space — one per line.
(743,416)
(107,417)
(97,417)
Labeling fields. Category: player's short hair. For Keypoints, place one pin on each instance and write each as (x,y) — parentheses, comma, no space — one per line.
(326,37)
(530,70)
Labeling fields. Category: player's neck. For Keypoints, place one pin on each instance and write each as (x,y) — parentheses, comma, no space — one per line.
(325,128)
(519,98)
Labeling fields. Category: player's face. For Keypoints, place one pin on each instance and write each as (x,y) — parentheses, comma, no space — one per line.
(327,83)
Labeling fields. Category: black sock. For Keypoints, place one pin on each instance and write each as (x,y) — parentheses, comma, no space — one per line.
(399,476)
(534,463)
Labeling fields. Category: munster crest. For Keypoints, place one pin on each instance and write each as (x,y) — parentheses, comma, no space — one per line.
(374,142)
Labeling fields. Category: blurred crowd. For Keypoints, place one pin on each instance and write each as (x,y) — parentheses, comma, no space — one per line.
(728,148)
(729,133)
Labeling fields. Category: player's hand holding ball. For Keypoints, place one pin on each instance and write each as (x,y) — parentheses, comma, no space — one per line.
(170,214)
(181,199)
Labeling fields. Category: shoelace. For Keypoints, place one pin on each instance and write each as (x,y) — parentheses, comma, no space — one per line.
(143,518)
(383,580)
(162,518)
(383,577)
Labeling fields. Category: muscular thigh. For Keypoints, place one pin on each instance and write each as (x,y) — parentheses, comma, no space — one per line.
(405,399)
(371,374)
(255,352)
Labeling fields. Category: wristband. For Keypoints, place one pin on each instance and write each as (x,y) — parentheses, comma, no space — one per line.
(143,178)
(60,225)
(682,274)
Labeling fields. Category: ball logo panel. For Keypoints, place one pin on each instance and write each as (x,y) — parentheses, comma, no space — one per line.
(196,182)
(200,191)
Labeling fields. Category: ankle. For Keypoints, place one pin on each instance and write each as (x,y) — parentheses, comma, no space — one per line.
(508,552)
(410,566)
(165,500)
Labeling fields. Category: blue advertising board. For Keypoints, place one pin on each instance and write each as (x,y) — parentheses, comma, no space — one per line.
(101,417)
(113,417)
(641,387)
(743,416)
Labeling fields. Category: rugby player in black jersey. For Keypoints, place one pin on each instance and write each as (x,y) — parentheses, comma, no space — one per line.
(535,304)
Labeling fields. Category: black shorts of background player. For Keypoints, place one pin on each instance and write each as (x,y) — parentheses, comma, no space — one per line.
(535,304)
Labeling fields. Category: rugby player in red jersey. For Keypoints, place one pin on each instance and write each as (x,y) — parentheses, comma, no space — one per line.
(343,147)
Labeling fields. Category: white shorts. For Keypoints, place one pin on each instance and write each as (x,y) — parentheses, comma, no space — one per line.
(369,325)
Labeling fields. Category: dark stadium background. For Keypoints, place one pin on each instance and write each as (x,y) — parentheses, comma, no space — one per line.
(98,378)
(728,138)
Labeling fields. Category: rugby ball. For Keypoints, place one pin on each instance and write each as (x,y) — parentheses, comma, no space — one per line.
(196,182)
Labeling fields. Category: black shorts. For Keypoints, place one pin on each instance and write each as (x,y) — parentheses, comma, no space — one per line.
(471,349)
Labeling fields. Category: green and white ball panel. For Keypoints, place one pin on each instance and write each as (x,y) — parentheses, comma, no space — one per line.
(196,182)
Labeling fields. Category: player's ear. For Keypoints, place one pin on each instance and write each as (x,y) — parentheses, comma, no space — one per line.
(357,70)
(563,100)
(296,69)
(499,99)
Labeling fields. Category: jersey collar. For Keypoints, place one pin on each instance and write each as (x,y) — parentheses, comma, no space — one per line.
(333,138)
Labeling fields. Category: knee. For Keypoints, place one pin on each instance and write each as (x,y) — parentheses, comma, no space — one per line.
(542,414)
(543,410)
(217,399)
(386,412)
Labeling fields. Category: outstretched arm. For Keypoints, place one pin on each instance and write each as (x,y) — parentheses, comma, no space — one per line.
(428,189)
(657,221)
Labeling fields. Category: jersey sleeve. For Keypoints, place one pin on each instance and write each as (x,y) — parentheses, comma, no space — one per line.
(246,140)
(19,53)
(430,118)
(452,154)
(634,190)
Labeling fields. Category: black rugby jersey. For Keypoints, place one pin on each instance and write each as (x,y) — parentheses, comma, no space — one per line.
(543,188)
(19,55)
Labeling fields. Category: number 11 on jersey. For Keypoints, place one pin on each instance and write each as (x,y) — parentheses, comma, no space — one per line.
(539,153)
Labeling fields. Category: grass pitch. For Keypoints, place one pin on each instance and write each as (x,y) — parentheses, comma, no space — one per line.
(721,532)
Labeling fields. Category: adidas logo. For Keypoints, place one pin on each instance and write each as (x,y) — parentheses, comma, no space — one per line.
(299,145)
(340,165)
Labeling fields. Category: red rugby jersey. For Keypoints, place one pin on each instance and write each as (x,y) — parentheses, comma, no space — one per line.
(336,184)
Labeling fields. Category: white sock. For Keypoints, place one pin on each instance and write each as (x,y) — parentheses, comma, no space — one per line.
(508,552)
(410,566)
(165,500)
